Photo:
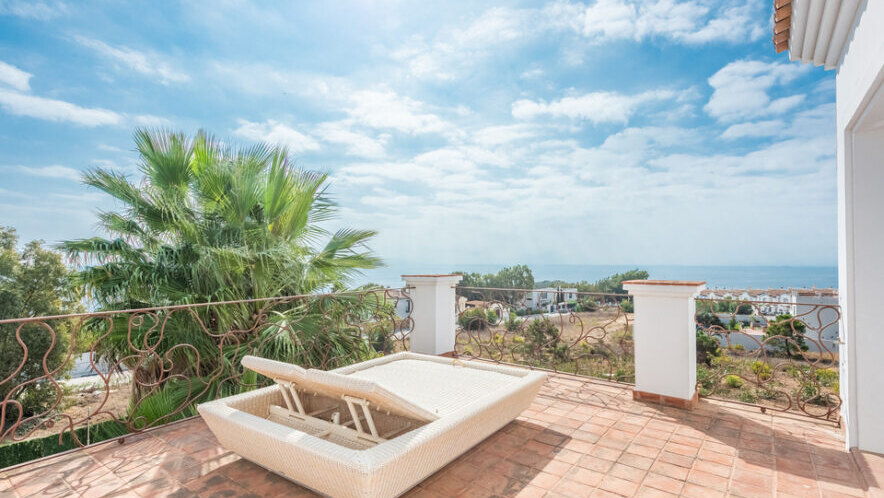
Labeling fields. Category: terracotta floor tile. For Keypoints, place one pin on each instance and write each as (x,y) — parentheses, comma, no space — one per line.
(585,476)
(626,472)
(692,490)
(619,486)
(670,470)
(713,468)
(675,459)
(663,483)
(605,452)
(636,461)
(567,487)
(708,480)
(595,463)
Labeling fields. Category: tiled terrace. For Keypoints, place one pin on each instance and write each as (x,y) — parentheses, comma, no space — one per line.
(579,438)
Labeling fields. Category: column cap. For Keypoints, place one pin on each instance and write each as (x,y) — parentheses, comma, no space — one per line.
(664,287)
(685,283)
(433,278)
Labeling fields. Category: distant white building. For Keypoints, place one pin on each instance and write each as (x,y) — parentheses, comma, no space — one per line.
(808,305)
(545,298)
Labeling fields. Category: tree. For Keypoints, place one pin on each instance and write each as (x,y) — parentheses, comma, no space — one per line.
(786,334)
(33,282)
(543,342)
(210,223)
(614,283)
(707,347)
(511,277)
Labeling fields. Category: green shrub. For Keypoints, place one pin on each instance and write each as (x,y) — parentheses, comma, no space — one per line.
(785,334)
(738,347)
(734,381)
(761,370)
(474,319)
(707,348)
(542,341)
(513,322)
(827,376)
(747,397)
(704,380)
(627,306)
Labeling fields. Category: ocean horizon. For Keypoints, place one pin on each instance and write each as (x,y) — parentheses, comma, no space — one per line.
(743,277)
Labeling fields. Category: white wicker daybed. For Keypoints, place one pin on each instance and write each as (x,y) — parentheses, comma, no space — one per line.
(374,429)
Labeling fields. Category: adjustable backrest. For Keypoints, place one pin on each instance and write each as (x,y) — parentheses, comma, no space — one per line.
(338,386)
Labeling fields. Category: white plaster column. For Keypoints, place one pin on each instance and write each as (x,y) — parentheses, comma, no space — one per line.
(664,331)
(433,311)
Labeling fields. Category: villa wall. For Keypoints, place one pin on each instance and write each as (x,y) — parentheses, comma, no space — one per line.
(860,149)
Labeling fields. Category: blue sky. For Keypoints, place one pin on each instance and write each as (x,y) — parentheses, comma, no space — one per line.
(607,132)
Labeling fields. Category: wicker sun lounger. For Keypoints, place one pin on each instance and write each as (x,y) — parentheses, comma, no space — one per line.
(374,429)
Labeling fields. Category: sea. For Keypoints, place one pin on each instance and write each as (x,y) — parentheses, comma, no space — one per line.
(716,277)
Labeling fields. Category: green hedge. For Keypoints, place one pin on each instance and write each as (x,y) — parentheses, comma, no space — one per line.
(23,451)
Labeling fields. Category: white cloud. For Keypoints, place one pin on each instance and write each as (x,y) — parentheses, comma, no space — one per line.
(691,22)
(29,9)
(148,64)
(740,89)
(276,133)
(14,77)
(54,171)
(150,120)
(754,129)
(597,107)
(56,110)
(455,49)
(389,110)
(356,144)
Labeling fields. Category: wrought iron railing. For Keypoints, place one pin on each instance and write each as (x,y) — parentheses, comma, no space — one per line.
(786,362)
(564,331)
(140,368)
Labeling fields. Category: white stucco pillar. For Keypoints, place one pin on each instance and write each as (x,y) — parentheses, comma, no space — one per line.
(664,332)
(433,312)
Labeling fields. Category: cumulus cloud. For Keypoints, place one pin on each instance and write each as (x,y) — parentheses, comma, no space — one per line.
(741,89)
(54,171)
(754,129)
(148,64)
(454,50)
(21,104)
(355,143)
(276,133)
(14,77)
(597,107)
(389,110)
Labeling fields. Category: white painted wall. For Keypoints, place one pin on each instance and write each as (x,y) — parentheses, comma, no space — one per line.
(664,332)
(434,313)
(860,135)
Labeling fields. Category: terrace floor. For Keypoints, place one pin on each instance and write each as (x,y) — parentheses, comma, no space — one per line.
(579,438)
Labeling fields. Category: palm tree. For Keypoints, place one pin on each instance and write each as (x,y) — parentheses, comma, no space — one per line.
(211,223)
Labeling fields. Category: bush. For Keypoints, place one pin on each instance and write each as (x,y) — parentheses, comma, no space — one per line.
(761,370)
(747,397)
(738,347)
(627,306)
(708,320)
(827,376)
(734,381)
(542,341)
(513,323)
(474,319)
(707,348)
(786,334)
(704,380)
